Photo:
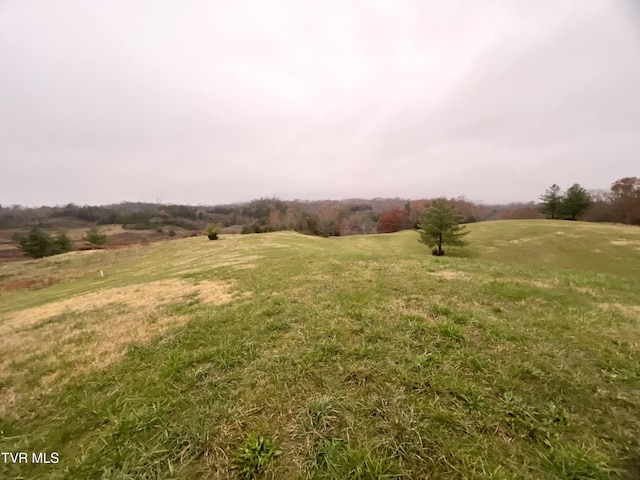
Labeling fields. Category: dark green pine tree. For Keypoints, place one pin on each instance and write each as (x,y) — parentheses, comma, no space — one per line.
(441,226)
(576,201)
(551,201)
(38,243)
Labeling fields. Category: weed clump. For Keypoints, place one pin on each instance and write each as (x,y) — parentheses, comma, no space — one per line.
(254,456)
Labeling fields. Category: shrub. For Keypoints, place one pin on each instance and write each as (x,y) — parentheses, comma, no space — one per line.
(95,236)
(172,233)
(38,243)
(263,229)
(212,231)
(255,228)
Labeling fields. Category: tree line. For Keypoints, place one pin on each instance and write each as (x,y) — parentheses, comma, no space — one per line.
(328,217)
(323,218)
(621,204)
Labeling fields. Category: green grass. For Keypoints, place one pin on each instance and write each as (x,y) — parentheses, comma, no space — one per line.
(597,247)
(357,358)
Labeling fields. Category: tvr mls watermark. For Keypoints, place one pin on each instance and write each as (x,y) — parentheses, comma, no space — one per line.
(30,457)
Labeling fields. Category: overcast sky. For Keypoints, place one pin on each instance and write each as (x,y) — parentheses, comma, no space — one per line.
(221,101)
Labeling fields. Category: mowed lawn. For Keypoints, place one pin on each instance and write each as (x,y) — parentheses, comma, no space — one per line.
(283,356)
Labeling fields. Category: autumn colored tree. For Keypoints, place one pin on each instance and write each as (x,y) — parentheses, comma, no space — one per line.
(415,209)
(626,198)
(328,221)
(602,207)
(551,201)
(358,223)
(394,220)
(441,225)
(469,210)
(276,221)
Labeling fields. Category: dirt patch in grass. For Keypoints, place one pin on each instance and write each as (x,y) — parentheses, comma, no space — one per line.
(570,235)
(11,255)
(23,284)
(550,283)
(517,241)
(624,242)
(235,261)
(585,290)
(64,339)
(629,311)
(451,275)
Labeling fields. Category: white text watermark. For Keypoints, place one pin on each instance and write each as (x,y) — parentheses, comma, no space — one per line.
(30,457)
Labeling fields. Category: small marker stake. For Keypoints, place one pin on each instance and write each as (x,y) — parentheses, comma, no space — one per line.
(101,274)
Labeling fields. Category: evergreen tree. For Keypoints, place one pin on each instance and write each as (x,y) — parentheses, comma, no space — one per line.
(576,201)
(38,243)
(95,236)
(551,201)
(61,244)
(441,225)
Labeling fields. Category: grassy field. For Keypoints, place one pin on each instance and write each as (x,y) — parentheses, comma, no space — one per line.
(282,356)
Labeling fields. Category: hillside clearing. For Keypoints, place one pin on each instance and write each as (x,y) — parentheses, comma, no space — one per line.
(358,357)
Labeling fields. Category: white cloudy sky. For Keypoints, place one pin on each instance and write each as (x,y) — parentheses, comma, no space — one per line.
(219,101)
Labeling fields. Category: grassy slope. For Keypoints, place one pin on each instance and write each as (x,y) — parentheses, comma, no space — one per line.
(597,247)
(357,356)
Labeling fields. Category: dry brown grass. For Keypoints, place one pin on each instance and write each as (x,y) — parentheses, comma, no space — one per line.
(451,275)
(135,296)
(624,242)
(585,290)
(90,331)
(629,311)
(548,283)
(78,234)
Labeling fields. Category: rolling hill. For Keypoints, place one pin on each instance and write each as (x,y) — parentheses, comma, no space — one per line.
(288,356)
